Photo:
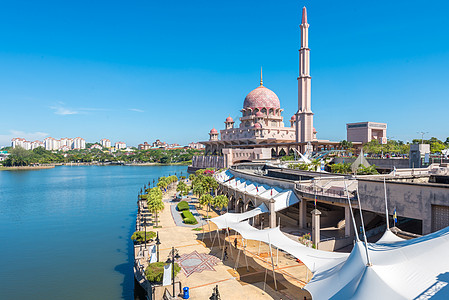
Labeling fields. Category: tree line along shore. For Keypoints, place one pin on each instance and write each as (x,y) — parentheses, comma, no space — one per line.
(19,157)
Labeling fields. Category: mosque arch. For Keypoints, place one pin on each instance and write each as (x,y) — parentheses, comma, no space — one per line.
(282,152)
(250,205)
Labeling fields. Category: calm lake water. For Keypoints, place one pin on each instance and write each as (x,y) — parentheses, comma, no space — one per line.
(65,232)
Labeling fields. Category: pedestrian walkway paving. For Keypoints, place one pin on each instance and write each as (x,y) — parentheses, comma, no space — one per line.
(290,275)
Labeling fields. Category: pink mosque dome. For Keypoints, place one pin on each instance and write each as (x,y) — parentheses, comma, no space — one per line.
(258,126)
(261,97)
(293,118)
(229,119)
(213,130)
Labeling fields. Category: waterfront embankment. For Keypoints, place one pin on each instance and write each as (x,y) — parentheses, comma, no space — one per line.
(20,168)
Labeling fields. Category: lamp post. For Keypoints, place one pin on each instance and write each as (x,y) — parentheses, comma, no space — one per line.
(174,255)
(158,242)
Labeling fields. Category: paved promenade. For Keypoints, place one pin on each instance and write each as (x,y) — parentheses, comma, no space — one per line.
(203,268)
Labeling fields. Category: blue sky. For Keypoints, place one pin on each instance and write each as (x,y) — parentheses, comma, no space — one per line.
(136,71)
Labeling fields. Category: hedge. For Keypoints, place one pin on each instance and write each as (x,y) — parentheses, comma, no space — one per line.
(183,205)
(139,236)
(188,217)
(155,271)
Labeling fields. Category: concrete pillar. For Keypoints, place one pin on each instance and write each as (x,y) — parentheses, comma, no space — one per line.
(302,214)
(349,228)
(272,221)
(316,226)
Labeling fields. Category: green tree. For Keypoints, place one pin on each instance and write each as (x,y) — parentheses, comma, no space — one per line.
(207,200)
(154,201)
(371,170)
(220,201)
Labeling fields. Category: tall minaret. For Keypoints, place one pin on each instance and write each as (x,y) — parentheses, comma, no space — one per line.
(304,116)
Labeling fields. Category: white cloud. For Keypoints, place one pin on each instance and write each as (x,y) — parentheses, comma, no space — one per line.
(136,110)
(59,109)
(5,139)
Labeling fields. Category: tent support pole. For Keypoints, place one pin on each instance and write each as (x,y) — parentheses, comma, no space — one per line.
(213,241)
(223,249)
(352,214)
(246,259)
(229,241)
(210,233)
(218,233)
(277,256)
(237,260)
(272,266)
(364,232)
(265,280)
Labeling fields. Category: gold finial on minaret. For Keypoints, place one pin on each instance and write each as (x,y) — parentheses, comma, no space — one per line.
(261,80)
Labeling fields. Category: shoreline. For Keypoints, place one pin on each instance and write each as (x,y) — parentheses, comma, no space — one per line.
(17,168)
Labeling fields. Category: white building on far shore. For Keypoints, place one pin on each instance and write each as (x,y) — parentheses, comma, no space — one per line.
(120,145)
(50,144)
(106,143)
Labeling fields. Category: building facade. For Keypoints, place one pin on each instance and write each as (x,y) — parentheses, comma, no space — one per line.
(105,143)
(120,145)
(365,132)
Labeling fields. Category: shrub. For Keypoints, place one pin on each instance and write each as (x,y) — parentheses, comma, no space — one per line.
(188,217)
(183,205)
(191,221)
(139,236)
(143,197)
(155,271)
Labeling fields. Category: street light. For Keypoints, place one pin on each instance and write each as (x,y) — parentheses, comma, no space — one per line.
(422,135)
(158,242)
(174,255)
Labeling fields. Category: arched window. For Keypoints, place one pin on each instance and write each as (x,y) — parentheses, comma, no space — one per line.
(271,112)
(264,111)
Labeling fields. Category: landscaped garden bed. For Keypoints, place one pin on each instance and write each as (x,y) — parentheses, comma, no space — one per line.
(139,236)
(155,271)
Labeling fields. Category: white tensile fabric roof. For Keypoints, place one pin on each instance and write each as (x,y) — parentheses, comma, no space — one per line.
(228,219)
(400,269)
(409,269)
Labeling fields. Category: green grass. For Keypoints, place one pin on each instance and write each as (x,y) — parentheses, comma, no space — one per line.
(197,229)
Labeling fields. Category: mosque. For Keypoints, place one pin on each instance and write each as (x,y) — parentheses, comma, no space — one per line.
(262,133)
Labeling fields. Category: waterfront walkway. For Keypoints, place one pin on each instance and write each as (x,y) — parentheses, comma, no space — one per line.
(247,281)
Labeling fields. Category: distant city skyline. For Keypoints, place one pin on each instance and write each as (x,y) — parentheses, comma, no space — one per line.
(140,71)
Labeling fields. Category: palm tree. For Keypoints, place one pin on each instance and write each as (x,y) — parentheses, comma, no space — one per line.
(154,202)
(220,201)
(199,190)
(206,199)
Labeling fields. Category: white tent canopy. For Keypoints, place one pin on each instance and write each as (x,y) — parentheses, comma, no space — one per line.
(409,269)
(228,219)
(400,269)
